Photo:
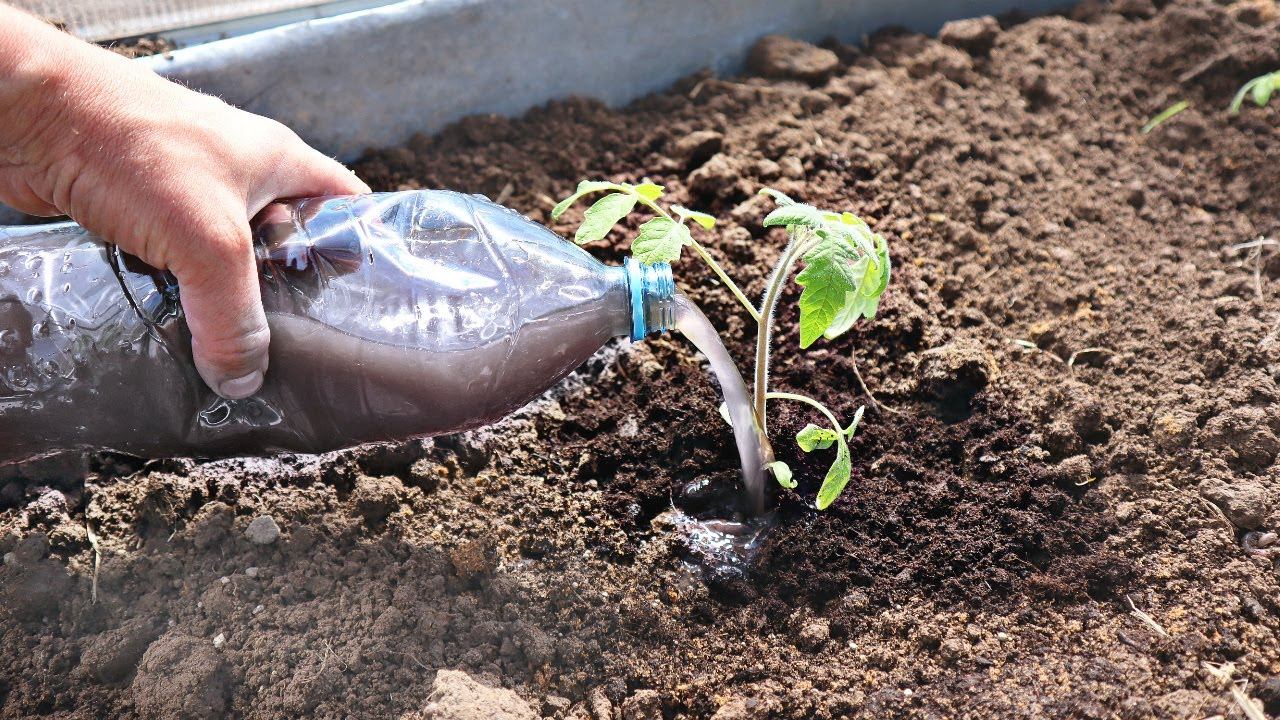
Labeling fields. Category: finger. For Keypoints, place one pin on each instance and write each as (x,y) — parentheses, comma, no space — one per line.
(223,306)
(305,172)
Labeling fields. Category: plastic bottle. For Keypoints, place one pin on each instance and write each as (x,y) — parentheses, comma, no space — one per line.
(392,315)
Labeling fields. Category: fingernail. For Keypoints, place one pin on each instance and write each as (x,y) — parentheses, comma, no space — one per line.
(241,387)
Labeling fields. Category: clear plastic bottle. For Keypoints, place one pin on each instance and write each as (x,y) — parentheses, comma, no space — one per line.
(392,315)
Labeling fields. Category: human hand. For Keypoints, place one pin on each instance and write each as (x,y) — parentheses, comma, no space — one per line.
(167,174)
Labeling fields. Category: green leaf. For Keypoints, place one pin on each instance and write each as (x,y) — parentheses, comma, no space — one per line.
(782,473)
(865,301)
(1263,90)
(649,191)
(813,438)
(886,267)
(857,419)
(855,307)
(602,216)
(796,214)
(660,241)
(857,234)
(831,272)
(779,198)
(585,187)
(703,219)
(837,476)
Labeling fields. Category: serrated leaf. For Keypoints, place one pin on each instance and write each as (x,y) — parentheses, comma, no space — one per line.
(837,476)
(703,219)
(585,187)
(865,301)
(813,438)
(854,308)
(649,191)
(779,198)
(830,273)
(660,241)
(861,236)
(602,216)
(782,473)
(796,214)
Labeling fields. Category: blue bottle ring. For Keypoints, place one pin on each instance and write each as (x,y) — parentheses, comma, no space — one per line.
(648,285)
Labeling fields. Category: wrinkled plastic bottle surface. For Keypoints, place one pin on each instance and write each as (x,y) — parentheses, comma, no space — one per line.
(392,315)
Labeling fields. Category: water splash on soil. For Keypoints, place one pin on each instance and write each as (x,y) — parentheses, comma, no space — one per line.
(754,449)
(719,546)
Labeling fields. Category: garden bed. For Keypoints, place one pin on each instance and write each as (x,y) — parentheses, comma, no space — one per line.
(1082,382)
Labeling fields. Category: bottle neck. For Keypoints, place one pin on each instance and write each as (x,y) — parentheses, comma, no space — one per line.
(652,292)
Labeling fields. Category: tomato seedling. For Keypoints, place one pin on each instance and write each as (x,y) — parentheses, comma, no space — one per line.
(846,269)
(1260,89)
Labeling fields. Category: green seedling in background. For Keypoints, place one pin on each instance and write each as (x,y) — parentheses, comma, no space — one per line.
(1168,113)
(1260,89)
(845,270)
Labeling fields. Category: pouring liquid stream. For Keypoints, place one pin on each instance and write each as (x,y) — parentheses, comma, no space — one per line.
(754,450)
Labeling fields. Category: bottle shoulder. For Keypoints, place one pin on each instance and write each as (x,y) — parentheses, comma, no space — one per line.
(434,268)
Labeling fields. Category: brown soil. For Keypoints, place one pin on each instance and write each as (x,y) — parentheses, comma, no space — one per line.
(999,524)
(141,46)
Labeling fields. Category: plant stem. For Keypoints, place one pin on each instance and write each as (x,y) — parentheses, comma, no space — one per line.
(835,424)
(764,330)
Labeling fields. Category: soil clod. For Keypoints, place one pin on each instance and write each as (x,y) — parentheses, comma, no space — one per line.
(181,677)
(777,56)
(263,530)
(456,695)
(975,35)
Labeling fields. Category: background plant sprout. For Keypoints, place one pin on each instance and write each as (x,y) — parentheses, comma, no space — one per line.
(1165,115)
(1260,89)
(846,269)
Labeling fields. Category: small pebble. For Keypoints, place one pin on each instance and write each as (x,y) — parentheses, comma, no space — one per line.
(263,530)
(10,558)
(219,641)
(224,580)
(251,572)
(257,609)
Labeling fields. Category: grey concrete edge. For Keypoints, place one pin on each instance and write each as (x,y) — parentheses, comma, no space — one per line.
(374,77)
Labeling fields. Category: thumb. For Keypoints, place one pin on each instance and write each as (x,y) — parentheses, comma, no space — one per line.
(218,278)
(307,173)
